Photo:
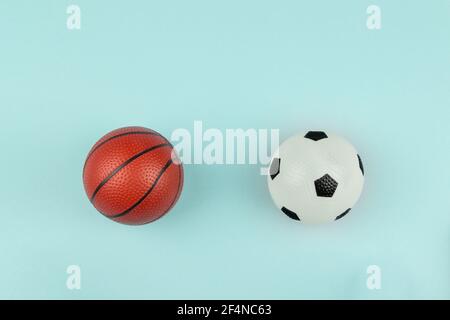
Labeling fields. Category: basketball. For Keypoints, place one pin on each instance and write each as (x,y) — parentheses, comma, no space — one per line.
(133,176)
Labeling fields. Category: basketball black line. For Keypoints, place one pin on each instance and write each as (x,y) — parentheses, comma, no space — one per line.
(174,200)
(167,165)
(118,136)
(124,164)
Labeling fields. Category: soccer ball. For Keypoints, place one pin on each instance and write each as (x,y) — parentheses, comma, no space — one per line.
(315,178)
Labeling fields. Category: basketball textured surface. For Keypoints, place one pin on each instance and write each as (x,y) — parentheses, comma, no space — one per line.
(131,176)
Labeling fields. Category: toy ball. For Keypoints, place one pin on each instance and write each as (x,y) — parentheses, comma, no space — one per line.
(133,176)
(315,177)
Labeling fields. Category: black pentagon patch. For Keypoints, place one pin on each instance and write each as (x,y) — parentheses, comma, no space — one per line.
(342,214)
(290,214)
(316,135)
(274,169)
(325,186)
(361,164)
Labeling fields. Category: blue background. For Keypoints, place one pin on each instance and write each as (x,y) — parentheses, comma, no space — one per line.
(231,64)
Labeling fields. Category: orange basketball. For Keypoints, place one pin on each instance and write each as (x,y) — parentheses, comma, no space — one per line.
(133,176)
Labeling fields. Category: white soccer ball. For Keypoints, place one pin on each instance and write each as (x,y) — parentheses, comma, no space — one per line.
(315,178)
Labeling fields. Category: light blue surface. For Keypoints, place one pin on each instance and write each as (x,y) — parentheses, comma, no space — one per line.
(232,64)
